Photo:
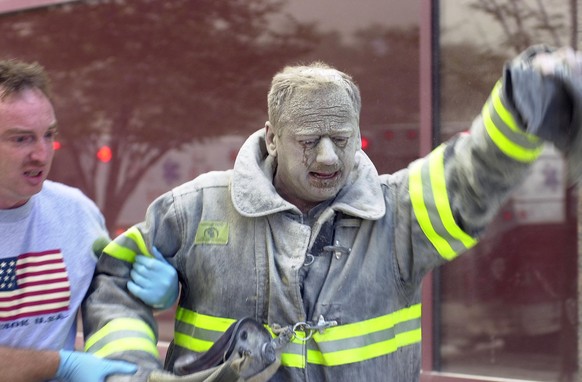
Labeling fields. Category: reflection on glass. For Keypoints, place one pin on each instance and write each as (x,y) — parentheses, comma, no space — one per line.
(154,80)
(172,88)
(508,308)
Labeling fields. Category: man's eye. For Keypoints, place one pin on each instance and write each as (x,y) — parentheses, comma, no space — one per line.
(309,143)
(21,139)
(50,135)
(340,141)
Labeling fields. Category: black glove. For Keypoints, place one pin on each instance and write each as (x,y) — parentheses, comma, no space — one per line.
(545,86)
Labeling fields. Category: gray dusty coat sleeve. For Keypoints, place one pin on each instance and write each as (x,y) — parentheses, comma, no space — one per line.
(116,324)
(451,195)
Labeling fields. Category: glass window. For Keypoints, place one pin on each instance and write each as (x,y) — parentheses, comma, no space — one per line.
(508,308)
(150,94)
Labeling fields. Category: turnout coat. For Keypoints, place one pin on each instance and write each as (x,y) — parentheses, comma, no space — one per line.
(353,266)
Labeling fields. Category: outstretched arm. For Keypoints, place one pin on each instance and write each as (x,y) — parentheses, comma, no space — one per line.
(451,195)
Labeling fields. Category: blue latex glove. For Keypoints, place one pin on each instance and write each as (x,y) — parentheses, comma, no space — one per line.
(154,281)
(84,367)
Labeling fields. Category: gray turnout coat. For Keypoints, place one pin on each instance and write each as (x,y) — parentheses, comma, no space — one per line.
(356,261)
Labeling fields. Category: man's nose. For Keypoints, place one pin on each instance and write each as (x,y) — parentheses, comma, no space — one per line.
(326,151)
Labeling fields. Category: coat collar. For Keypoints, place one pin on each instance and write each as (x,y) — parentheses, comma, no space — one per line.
(253,193)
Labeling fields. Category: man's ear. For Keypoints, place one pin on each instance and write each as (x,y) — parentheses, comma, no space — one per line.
(271,139)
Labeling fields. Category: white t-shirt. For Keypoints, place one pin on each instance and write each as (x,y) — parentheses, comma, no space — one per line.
(46,266)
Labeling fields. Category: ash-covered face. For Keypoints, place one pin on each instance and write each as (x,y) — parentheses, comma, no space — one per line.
(315,145)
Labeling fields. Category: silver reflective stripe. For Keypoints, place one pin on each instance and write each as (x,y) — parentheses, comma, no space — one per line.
(122,334)
(431,206)
(504,131)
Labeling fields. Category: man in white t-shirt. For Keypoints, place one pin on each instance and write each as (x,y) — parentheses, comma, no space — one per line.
(47,257)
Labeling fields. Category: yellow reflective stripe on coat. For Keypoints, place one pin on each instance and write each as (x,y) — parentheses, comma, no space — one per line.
(126,246)
(367,339)
(430,202)
(504,131)
(338,345)
(122,334)
(206,328)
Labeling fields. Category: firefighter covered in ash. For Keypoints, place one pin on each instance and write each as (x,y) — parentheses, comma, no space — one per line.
(306,238)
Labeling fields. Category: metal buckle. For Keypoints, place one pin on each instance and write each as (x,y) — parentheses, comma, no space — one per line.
(309,327)
(337,250)
(309,259)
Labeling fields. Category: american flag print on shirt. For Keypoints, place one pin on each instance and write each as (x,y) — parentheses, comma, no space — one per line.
(33,284)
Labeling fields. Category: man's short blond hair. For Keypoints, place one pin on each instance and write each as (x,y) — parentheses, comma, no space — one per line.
(16,76)
(314,76)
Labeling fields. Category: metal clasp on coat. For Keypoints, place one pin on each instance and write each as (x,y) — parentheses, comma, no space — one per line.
(309,259)
(337,250)
(309,327)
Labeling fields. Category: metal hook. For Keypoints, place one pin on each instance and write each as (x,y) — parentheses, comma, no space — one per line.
(309,259)
(302,326)
(337,250)
(309,328)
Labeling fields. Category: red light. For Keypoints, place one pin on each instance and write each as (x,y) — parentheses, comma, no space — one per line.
(411,134)
(56,145)
(104,154)
(365,143)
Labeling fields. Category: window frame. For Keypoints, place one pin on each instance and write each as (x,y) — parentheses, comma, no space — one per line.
(7,6)
(429,138)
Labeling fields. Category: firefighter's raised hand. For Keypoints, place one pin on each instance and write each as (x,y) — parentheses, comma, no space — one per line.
(564,62)
(544,84)
(83,367)
(154,281)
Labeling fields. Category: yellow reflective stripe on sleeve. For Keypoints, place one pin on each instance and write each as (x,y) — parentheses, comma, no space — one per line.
(122,334)
(439,187)
(121,253)
(127,246)
(119,325)
(501,110)
(506,135)
(431,206)
(127,344)
(134,234)
(422,215)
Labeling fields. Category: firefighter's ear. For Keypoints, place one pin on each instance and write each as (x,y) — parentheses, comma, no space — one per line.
(271,139)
